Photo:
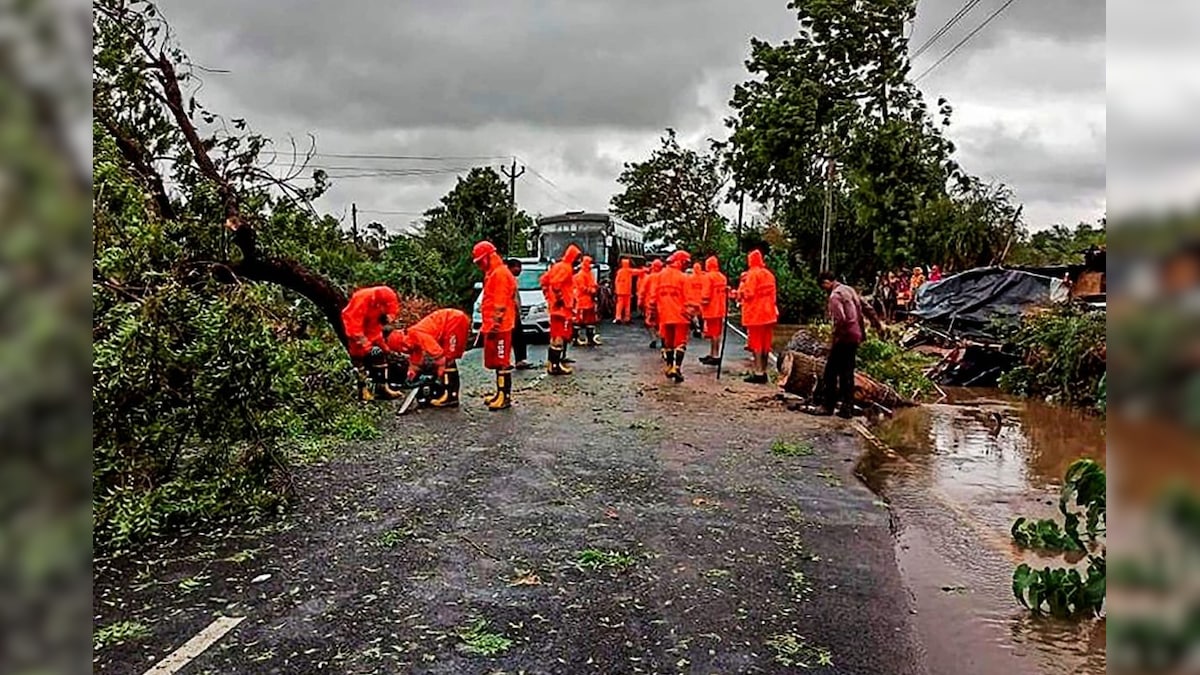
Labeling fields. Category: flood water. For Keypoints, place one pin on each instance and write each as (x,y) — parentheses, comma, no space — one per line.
(966,468)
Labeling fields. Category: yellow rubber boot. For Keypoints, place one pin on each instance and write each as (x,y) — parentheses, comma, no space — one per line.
(449,397)
(503,399)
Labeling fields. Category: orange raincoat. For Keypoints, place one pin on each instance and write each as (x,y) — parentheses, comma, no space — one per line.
(585,292)
(498,308)
(558,284)
(364,317)
(757,293)
(714,307)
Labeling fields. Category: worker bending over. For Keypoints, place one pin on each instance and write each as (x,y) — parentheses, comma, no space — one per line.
(433,345)
(363,318)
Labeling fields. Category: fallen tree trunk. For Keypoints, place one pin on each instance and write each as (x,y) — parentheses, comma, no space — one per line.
(802,376)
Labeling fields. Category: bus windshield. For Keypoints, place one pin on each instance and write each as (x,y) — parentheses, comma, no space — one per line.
(528,281)
(555,243)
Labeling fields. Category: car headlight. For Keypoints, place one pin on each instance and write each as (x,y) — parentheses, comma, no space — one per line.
(539,308)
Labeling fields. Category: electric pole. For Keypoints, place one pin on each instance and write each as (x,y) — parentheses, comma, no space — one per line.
(512,201)
(354,223)
(825,233)
(741,208)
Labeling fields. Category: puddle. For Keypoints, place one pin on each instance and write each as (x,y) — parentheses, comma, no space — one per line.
(966,469)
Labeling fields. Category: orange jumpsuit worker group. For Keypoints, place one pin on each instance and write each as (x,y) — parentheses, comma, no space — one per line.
(713,311)
(499,316)
(586,290)
(670,305)
(435,343)
(646,300)
(623,287)
(363,319)
(558,286)
(759,313)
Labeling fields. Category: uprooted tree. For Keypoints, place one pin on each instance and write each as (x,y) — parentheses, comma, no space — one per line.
(216,292)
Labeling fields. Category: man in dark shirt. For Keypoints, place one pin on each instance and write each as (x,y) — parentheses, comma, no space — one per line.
(520,346)
(846,314)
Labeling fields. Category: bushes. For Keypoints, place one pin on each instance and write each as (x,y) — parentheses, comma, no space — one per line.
(1062,357)
(798,296)
(894,366)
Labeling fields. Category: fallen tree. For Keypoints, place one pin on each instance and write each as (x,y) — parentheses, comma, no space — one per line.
(802,376)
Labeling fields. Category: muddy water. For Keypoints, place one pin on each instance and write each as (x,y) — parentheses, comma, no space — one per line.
(965,469)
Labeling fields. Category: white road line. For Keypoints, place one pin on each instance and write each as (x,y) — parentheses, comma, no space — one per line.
(771,360)
(194,647)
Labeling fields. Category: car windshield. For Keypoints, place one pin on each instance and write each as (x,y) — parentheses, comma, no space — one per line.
(528,281)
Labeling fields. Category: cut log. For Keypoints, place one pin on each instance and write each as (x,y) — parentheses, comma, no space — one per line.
(802,375)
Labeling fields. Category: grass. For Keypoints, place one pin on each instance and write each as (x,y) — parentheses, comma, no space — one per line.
(477,639)
(119,633)
(394,537)
(793,650)
(791,448)
(596,560)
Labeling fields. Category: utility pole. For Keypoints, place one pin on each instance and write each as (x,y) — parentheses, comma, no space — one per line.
(354,223)
(512,201)
(741,208)
(825,233)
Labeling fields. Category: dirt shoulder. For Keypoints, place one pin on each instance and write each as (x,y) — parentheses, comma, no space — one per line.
(610,523)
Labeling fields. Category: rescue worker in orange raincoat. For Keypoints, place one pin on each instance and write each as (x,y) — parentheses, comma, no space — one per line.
(670,301)
(713,311)
(623,286)
(646,298)
(363,318)
(697,288)
(759,313)
(558,285)
(433,345)
(586,290)
(498,309)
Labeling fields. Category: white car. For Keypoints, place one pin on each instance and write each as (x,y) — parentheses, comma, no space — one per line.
(535,318)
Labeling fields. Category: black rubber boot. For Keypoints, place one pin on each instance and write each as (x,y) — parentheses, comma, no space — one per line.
(677,363)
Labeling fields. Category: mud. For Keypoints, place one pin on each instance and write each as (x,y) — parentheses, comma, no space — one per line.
(734,559)
(965,470)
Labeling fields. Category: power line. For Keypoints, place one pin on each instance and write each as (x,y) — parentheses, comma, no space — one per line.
(963,41)
(420,158)
(950,23)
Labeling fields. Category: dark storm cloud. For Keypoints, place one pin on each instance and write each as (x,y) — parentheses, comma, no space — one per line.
(565,63)
(576,88)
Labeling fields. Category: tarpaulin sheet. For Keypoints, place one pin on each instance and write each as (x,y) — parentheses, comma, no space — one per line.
(970,302)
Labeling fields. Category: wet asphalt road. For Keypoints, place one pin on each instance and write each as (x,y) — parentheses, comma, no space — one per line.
(611,522)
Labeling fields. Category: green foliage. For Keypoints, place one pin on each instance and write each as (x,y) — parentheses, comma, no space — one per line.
(1058,245)
(786,448)
(395,536)
(477,639)
(901,369)
(674,194)
(1063,356)
(1065,592)
(1042,534)
(840,90)
(118,633)
(795,651)
(596,559)
(798,296)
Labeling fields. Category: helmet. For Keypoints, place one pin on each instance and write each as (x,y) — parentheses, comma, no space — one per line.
(681,257)
(482,250)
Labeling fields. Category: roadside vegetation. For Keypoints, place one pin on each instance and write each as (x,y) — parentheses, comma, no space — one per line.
(1063,354)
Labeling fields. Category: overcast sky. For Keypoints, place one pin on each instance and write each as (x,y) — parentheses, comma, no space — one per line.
(574,88)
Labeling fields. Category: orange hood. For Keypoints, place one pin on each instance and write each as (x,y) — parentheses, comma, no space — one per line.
(711,265)
(755,259)
(571,254)
(656,266)
(696,268)
(586,265)
(625,263)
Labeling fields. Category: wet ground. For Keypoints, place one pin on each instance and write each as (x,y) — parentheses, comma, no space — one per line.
(610,523)
(966,469)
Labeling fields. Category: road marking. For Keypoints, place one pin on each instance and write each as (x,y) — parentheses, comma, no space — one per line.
(771,360)
(194,647)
